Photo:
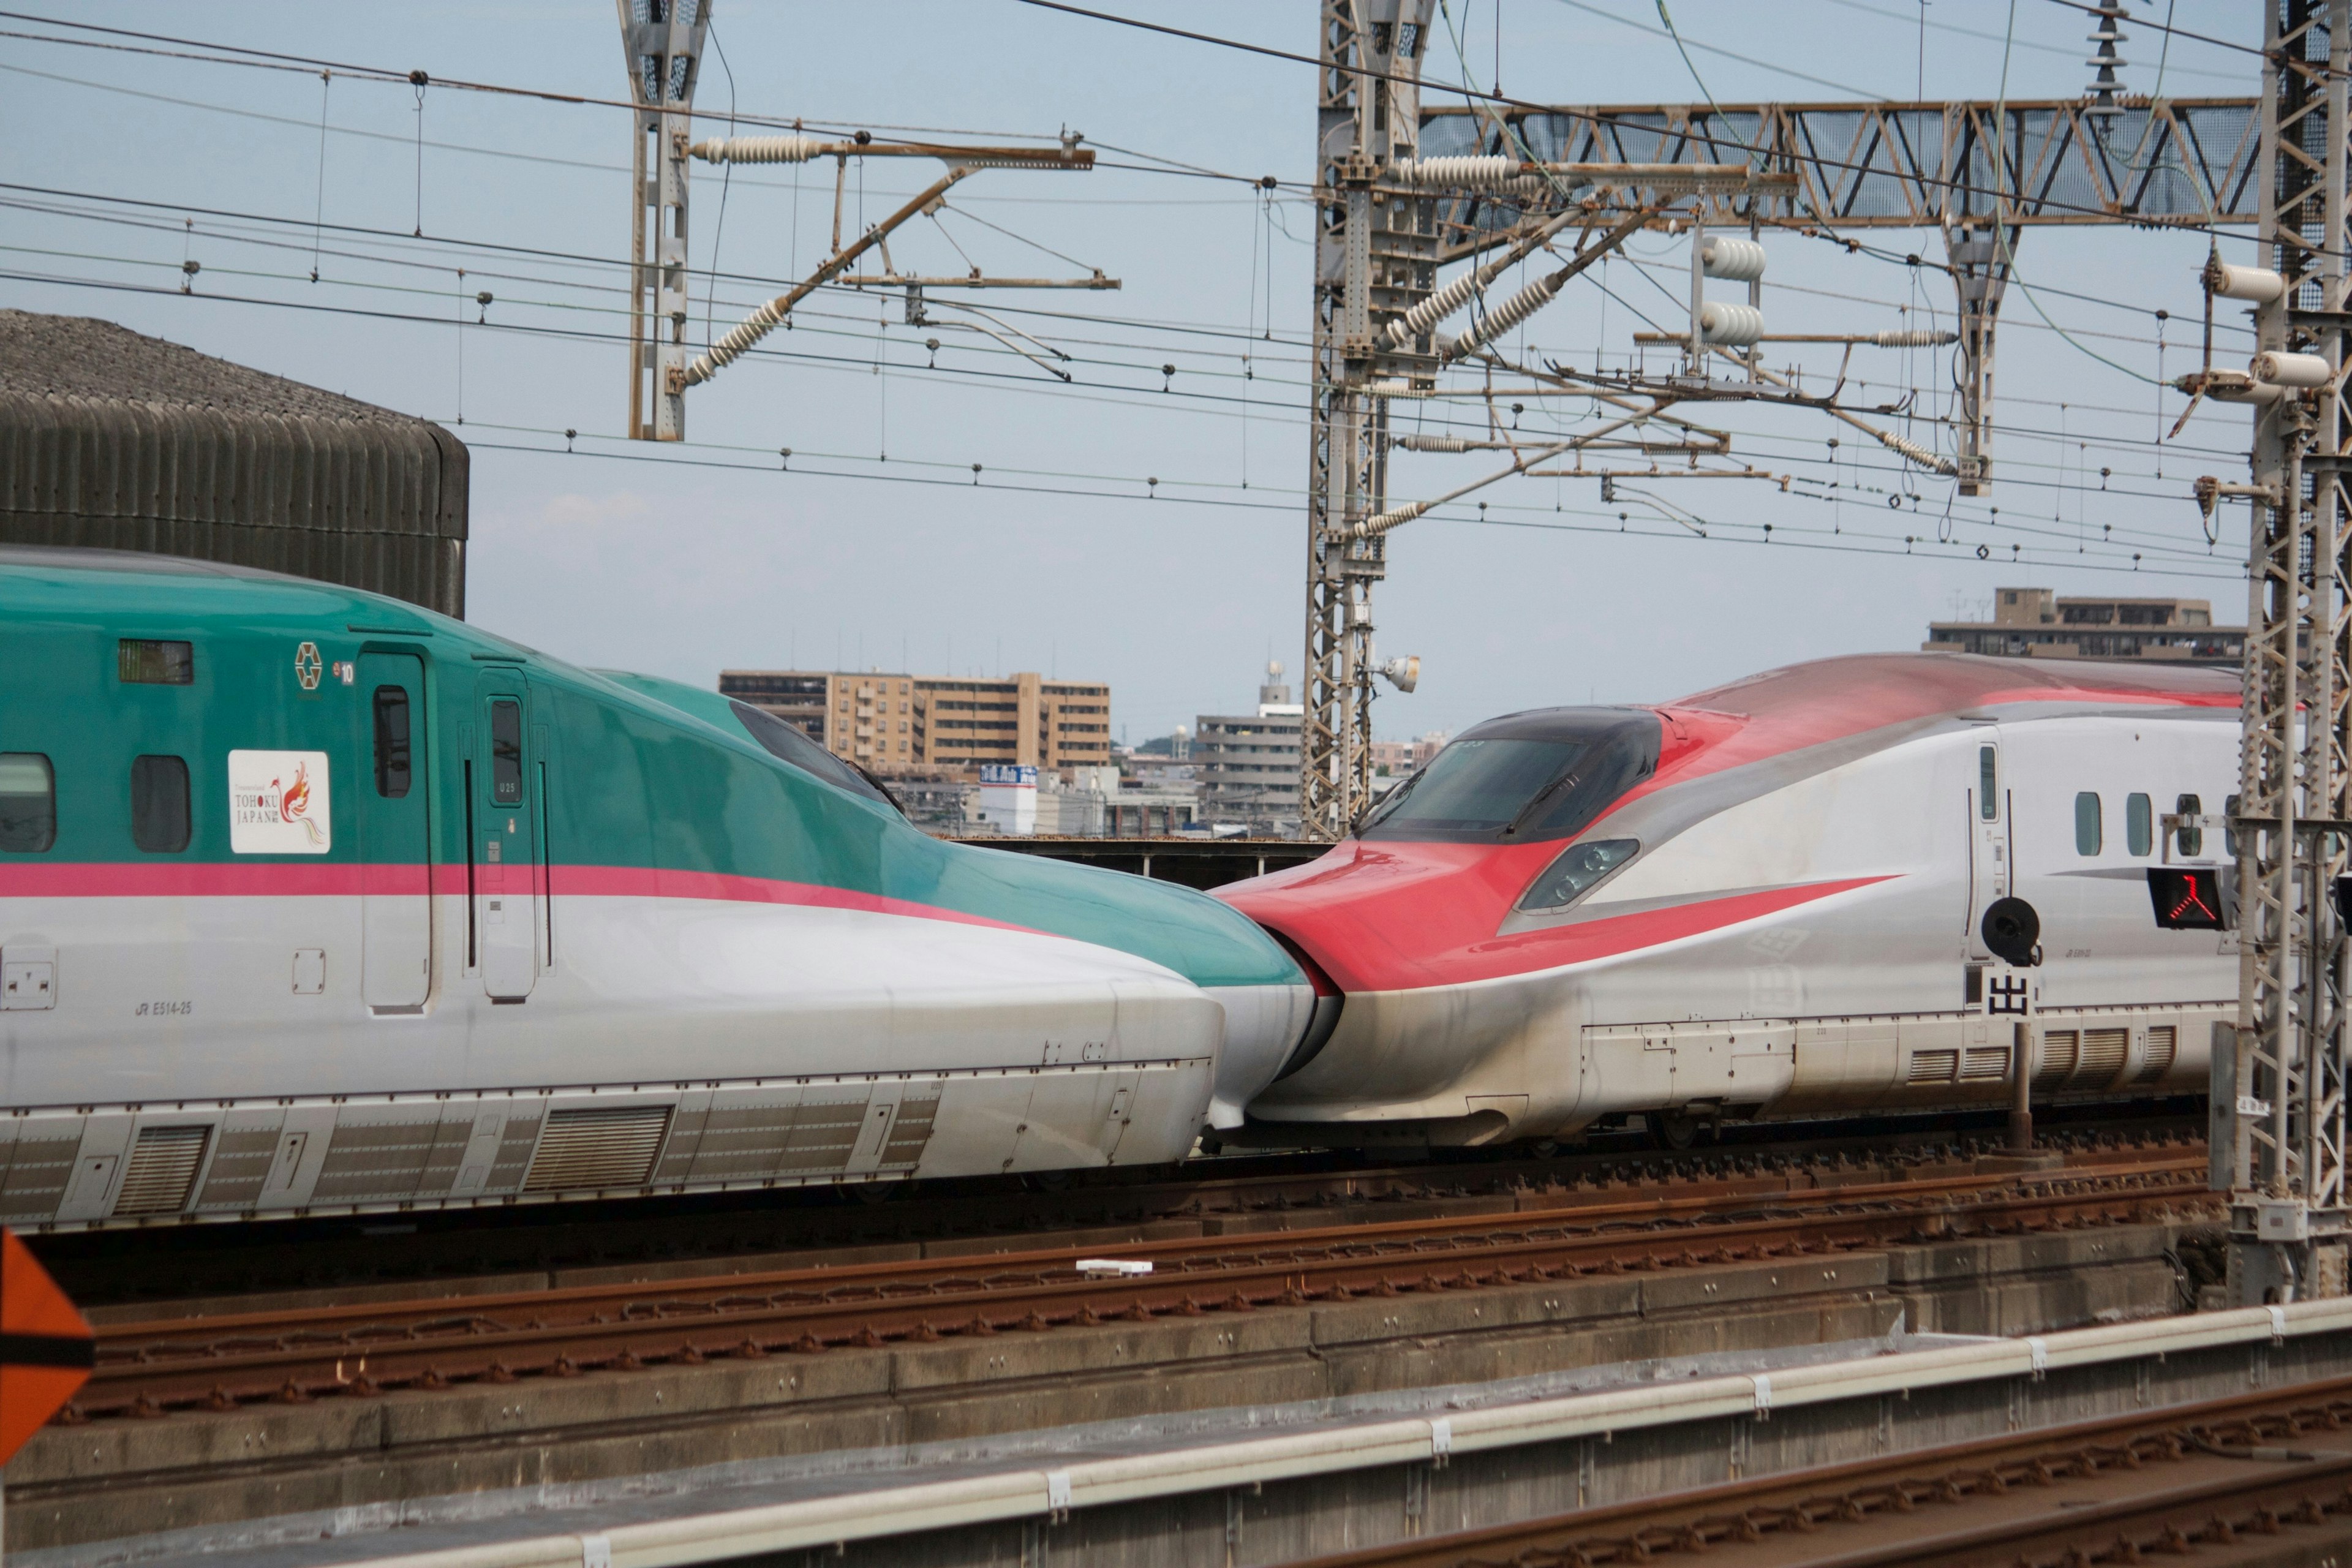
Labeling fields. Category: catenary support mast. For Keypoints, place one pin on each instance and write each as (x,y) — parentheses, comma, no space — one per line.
(2284,1163)
(1375,257)
(662,42)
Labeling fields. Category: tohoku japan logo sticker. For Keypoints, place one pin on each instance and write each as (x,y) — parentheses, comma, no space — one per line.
(277,804)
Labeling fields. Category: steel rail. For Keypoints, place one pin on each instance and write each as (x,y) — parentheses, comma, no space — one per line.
(149,1368)
(2195,1474)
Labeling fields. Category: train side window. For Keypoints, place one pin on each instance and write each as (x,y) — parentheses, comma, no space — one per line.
(1988,784)
(145,661)
(2140,824)
(506,753)
(2230,835)
(2086,823)
(2190,839)
(28,803)
(159,805)
(391,752)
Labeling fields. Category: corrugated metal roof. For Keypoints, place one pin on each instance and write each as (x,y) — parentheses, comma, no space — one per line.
(114,440)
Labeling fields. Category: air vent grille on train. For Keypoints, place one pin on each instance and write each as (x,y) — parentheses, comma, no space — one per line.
(2163,1045)
(2057,1060)
(595,1147)
(163,1170)
(1933,1067)
(2103,1059)
(1985,1062)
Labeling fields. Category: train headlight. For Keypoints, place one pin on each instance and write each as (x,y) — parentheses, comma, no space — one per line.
(1580,868)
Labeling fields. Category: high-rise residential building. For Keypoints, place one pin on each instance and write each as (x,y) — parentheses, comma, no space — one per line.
(1247,764)
(895,722)
(2035,623)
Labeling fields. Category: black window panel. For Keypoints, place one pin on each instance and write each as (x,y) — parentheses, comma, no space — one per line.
(506,753)
(2191,840)
(28,803)
(143,661)
(391,752)
(1524,777)
(787,742)
(159,805)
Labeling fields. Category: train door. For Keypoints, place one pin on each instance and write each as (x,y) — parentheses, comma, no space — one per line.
(395,861)
(1988,837)
(510,893)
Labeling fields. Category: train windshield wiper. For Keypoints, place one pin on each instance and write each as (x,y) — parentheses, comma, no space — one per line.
(1567,776)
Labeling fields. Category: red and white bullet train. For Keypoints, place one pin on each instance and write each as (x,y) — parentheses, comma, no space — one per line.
(1809,892)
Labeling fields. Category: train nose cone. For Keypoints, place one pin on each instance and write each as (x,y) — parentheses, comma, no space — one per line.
(1264,1027)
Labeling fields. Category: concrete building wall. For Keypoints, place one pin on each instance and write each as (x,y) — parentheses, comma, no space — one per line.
(894,721)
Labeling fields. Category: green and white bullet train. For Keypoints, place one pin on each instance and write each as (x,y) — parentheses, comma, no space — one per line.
(315,903)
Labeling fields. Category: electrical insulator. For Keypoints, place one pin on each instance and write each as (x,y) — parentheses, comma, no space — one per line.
(1473,172)
(2105,59)
(758,149)
(2259,284)
(2291,370)
(1914,339)
(1418,443)
(1724,255)
(1510,313)
(1734,326)
(1437,307)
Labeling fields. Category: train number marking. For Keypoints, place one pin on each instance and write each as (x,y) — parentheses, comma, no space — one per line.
(164,1009)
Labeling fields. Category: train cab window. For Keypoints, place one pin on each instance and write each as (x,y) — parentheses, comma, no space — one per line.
(2191,840)
(391,749)
(506,753)
(2087,834)
(28,803)
(1988,784)
(144,661)
(1526,778)
(2140,824)
(786,742)
(159,805)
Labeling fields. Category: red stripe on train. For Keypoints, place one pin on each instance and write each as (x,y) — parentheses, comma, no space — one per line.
(280,879)
(1408,917)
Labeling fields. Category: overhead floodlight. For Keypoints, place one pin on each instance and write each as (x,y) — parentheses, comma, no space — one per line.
(1404,674)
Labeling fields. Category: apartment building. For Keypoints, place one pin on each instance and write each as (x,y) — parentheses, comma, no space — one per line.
(2035,623)
(1247,764)
(898,722)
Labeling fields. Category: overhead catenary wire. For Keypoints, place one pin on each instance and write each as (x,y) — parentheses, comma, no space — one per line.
(1088,318)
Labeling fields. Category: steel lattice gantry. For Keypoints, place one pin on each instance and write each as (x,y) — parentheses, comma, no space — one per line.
(662,40)
(1979,172)
(1892,165)
(2280,1116)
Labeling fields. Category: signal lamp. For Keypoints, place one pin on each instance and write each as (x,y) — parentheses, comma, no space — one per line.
(2193,898)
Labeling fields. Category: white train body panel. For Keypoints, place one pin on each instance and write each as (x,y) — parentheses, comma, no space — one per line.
(1798,933)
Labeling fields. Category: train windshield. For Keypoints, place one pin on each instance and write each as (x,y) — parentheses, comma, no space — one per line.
(1527,778)
(789,742)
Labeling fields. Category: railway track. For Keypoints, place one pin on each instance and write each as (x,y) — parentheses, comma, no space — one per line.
(150,1368)
(182,1268)
(2253,1479)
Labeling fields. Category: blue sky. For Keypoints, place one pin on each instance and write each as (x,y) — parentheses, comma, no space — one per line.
(1064,557)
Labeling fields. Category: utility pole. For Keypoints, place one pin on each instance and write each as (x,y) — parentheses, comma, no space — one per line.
(665,55)
(1376,255)
(2283,1165)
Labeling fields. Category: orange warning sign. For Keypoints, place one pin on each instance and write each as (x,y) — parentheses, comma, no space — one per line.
(46,1349)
